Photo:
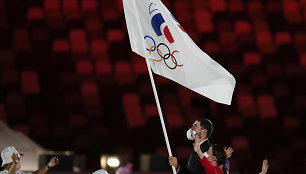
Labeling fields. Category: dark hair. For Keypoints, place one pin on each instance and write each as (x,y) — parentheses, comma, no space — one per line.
(206,124)
(219,153)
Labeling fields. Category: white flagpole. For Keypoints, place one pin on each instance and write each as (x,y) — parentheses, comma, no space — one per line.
(160,112)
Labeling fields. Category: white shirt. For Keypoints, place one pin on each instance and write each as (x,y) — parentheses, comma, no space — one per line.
(17,172)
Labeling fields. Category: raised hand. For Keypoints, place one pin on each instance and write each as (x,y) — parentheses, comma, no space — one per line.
(196,144)
(15,158)
(228,152)
(265,167)
(53,162)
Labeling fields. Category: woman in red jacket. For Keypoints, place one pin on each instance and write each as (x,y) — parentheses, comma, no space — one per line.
(214,162)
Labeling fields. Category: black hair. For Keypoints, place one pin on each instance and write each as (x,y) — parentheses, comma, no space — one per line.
(206,124)
(219,153)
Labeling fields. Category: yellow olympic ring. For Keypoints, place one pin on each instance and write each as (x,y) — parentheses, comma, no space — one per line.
(158,51)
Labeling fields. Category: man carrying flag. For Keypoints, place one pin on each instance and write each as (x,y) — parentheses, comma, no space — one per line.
(157,36)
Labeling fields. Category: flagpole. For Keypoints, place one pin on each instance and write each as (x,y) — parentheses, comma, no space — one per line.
(160,113)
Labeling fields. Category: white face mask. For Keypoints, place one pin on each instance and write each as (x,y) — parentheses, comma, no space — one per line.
(191,133)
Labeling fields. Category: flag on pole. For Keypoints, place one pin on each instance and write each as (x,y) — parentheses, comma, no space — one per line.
(155,34)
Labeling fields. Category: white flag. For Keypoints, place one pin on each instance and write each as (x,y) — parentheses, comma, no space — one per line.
(155,34)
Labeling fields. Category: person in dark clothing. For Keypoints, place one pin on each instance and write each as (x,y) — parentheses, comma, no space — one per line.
(203,128)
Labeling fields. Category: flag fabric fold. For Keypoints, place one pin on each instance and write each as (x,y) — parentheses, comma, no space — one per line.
(156,35)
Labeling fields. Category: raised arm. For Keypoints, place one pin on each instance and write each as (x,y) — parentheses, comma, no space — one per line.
(53,162)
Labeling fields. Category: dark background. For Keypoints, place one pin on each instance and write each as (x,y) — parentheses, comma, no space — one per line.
(69,80)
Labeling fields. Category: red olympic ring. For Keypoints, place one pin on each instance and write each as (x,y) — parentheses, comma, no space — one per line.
(173,60)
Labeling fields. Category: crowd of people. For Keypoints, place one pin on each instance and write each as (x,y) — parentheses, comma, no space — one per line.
(205,157)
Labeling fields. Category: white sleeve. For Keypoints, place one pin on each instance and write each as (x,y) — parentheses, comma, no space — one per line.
(206,154)
(24,172)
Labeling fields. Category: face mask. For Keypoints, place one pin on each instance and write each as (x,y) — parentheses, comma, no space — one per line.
(191,133)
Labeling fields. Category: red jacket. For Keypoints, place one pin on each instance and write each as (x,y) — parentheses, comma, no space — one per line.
(209,168)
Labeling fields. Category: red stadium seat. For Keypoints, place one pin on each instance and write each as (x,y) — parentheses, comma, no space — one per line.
(303,60)
(52,5)
(242,27)
(265,42)
(280,90)
(150,110)
(98,47)
(103,68)
(22,41)
(236,6)
(273,6)
(77,35)
(89,88)
(94,28)
(273,69)
(78,41)
(251,58)
(203,21)
(114,35)
(132,110)
(56,21)
(172,112)
(212,47)
(89,5)
(60,46)
(183,152)
(233,122)
(292,12)
(266,107)
(35,14)
(183,11)
(217,5)
(110,10)
(254,8)
(70,6)
(300,41)
(240,143)
(84,67)
(247,106)
(123,72)
(282,38)
(30,82)
(140,68)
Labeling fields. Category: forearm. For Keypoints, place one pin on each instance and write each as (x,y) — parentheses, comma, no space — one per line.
(42,170)
(200,153)
(13,168)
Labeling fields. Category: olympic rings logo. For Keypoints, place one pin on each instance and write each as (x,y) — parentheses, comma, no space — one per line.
(162,56)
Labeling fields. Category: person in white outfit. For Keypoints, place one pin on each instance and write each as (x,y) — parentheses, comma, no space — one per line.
(11,163)
(101,171)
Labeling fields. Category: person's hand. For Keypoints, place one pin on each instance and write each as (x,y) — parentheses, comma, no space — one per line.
(196,144)
(15,158)
(212,158)
(265,167)
(228,152)
(173,161)
(53,162)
